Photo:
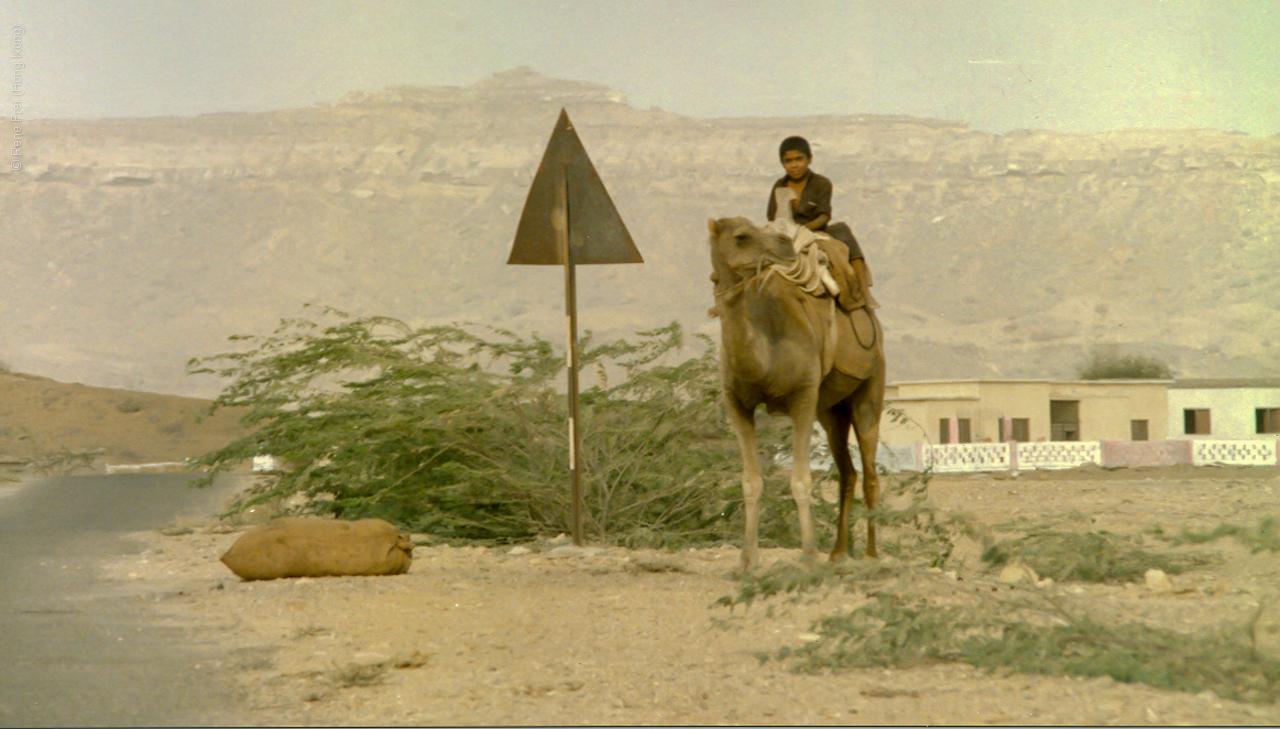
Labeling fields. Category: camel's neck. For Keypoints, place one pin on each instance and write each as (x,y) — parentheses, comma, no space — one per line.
(758,309)
(733,283)
(768,345)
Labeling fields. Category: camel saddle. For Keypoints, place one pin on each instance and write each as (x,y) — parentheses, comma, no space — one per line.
(830,273)
(858,330)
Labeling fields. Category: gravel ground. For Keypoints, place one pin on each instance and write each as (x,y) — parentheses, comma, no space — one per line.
(550,634)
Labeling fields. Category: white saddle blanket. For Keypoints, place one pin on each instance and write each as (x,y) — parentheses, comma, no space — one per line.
(811,269)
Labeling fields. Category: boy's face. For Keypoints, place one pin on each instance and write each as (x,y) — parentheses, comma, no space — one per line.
(796,164)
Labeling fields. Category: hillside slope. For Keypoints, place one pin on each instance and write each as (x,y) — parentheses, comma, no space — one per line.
(132,245)
(40,418)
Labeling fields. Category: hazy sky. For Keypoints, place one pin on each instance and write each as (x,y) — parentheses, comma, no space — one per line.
(1068,65)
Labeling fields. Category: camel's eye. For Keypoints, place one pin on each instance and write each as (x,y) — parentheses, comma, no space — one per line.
(742,238)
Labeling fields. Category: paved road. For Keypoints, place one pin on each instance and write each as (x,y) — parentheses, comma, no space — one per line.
(75,652)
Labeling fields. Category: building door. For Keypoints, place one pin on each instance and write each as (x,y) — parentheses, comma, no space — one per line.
(1064,420)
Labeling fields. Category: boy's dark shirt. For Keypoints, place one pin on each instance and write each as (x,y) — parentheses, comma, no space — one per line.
(815,199)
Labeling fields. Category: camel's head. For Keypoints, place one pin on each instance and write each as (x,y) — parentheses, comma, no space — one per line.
(737,245)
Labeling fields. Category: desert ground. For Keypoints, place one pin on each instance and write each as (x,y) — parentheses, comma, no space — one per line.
(547,633)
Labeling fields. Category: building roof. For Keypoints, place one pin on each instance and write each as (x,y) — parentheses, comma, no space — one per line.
(1185,384)
(1240,382)
(928,398)
(1042,381)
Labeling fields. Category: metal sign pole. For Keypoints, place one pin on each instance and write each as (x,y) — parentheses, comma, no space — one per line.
(545,236)
(571,317)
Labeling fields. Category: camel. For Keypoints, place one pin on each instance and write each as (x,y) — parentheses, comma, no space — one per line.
(796,353)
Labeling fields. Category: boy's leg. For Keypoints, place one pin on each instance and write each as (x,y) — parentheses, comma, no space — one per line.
(864,277)
(843,271)
(842,233)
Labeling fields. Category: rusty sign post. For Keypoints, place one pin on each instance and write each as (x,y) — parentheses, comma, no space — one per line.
(569,219)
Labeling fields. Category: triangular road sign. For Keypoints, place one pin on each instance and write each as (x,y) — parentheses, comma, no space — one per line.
(567,193)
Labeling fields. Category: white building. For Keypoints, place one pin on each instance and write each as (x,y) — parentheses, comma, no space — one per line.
(1224,409)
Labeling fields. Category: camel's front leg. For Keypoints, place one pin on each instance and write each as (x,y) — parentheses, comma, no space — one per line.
(801,481)
(743,422)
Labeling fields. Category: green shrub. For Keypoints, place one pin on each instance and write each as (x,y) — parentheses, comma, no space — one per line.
(1266,535)
(1111,366)
(64,462)
(1027,636)
(129,405)
(1087,557)
(461,432)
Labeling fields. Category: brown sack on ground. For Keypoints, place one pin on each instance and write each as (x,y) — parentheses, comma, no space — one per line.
(312,547)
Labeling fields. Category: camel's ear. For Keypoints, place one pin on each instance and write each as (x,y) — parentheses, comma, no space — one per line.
(713,226)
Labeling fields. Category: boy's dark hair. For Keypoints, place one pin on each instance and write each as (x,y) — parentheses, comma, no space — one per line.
(794,144)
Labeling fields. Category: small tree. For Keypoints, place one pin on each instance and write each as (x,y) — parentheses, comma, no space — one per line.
(1113,366)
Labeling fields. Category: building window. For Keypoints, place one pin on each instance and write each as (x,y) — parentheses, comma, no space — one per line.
(1019,430)
(963,431)
(1138,430)
(1268,421)
(1064,420)
(1195,421)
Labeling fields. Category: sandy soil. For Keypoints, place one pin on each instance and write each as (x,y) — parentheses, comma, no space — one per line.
(550,634)
(42,419)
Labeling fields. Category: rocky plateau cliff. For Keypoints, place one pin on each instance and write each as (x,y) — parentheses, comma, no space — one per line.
(128,246)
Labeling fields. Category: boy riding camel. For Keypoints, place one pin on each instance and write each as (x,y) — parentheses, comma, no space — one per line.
(803,197)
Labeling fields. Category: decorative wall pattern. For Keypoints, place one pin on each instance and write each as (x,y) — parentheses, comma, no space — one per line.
(1058,454)
(1234,452)
(979,457)
(967,457)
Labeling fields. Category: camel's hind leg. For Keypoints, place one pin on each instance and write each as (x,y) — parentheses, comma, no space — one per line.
(743,422)
(868,402)
(836,422)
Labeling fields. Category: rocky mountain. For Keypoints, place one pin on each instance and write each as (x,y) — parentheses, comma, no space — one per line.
(128,246)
